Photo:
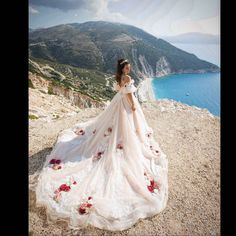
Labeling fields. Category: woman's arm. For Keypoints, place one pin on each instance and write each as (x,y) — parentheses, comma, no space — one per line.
(129,95)
(131,101)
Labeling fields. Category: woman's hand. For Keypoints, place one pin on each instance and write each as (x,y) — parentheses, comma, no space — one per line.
(131,101)
(133,107)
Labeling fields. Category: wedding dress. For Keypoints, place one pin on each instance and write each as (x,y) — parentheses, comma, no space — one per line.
(108,172)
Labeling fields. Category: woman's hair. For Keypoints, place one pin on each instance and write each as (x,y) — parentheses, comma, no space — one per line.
(120,65)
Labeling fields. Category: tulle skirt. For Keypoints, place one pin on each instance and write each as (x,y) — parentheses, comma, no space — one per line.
(108,172)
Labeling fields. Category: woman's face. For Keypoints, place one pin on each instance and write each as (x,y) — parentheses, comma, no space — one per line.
(126,69)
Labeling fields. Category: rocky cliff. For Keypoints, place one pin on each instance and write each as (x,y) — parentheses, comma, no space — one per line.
(49,101)
(72,87)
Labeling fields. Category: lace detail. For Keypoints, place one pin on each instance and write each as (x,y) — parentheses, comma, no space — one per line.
(129,87)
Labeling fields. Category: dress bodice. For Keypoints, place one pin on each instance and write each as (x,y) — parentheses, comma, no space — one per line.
(128,87)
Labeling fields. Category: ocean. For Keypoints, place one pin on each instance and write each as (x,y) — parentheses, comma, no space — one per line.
(201,90)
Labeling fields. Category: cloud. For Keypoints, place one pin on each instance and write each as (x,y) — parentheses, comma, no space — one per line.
(63,5)
(32,10)
(102,12)
(159,17)
(97,9)
(170,17)
(66,5)
(211,25)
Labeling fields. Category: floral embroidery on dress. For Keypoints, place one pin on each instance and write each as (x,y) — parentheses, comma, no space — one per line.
(108,132)
(129,86)
(119,146)
(55,164)
(152,185)
(149,133)
(64,188)
(79,131)
(85,206)
(98,155)
(155,151)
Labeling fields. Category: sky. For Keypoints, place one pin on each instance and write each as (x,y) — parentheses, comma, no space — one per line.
(157,17)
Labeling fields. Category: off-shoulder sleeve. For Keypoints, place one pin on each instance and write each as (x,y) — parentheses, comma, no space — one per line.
(129,87)
(116,86)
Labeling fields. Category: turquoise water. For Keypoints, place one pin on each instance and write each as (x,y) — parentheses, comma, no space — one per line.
(201,90)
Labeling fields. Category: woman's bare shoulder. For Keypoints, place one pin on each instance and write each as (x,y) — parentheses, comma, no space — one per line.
(126,78)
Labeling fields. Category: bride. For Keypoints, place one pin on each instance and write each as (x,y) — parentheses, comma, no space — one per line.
(108,172)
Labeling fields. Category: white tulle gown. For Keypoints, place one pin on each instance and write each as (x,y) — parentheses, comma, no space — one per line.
(107,172)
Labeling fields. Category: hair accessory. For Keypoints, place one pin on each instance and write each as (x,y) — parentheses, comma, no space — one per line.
(123,61)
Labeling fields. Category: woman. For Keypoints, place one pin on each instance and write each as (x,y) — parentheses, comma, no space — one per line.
(109,171)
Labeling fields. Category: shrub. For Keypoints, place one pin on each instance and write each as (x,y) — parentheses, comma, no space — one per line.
(50,91)
(30,84)
(32,117)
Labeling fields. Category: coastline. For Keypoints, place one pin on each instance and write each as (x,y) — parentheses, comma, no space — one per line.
(145,91)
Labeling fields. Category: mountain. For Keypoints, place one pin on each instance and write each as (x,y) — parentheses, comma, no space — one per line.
(193,38)
(96,45)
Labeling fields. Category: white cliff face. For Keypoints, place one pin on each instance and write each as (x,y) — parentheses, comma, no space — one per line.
(135,61)
(162,67)
(140,73)
(146,67)
(146,70)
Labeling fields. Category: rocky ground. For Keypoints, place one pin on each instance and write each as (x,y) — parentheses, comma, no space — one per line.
(47,107)
(189,136)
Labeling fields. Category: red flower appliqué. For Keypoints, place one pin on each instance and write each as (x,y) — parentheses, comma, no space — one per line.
(119,146)
(55,164)
(154,150)
(55,161)
(108,132)
(98,155)
(64,188)
(152,185)
(149,133)
(80,132)
(85,207)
